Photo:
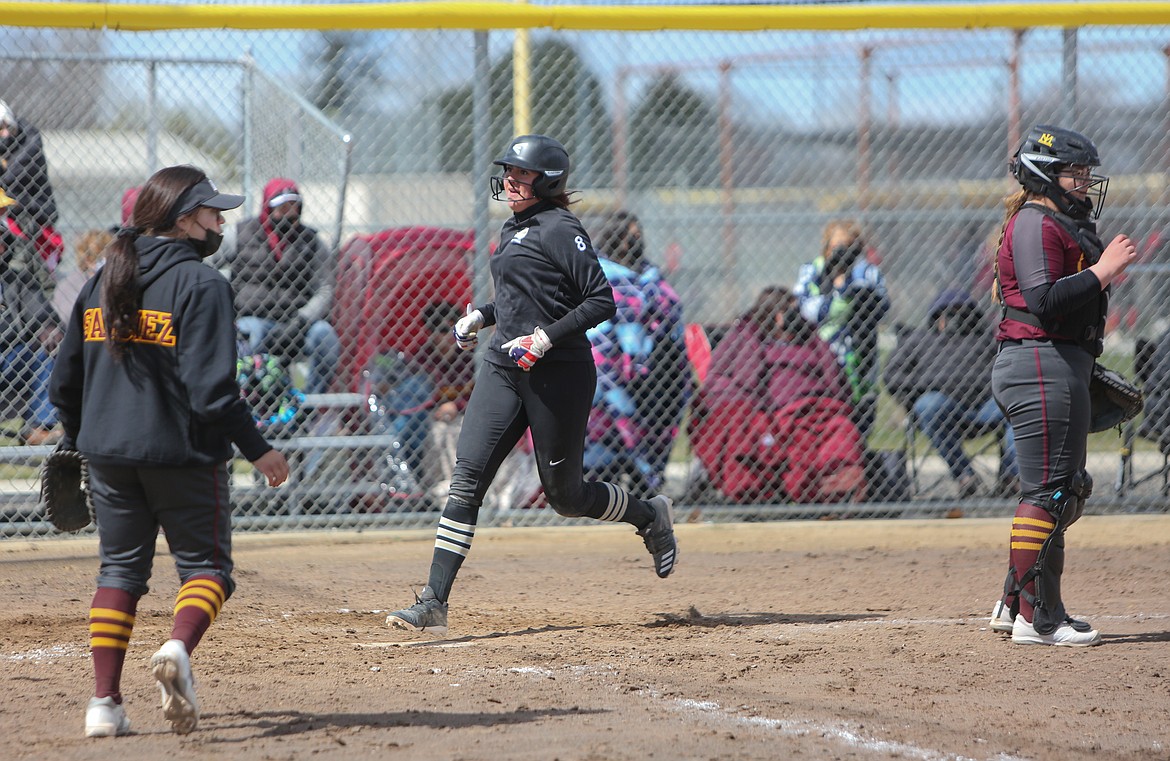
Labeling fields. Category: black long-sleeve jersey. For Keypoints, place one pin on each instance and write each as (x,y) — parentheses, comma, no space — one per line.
(546,275)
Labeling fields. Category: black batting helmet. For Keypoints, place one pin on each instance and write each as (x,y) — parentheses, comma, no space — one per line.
(1047,151)
(536,153)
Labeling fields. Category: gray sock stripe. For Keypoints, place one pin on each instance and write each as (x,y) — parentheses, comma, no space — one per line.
(454,536)
(619,500)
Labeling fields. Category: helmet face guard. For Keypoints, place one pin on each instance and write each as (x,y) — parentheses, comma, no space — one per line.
(536,153)
(1046,154)
(1095,187)
(499,192)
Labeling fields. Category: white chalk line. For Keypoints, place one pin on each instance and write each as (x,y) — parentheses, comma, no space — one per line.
(839,733)
(48,653)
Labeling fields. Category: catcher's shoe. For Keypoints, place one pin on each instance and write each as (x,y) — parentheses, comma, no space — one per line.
(1001,618)
(1064,635)
(105,718)
(172,670)
(428,614)
(658,536)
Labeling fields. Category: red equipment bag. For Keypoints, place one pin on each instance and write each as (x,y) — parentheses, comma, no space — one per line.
(386,281)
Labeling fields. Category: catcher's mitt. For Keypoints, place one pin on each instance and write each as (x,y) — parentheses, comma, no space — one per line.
(1113,400)
(65,490)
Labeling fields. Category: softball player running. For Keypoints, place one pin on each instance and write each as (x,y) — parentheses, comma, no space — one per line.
(538,374)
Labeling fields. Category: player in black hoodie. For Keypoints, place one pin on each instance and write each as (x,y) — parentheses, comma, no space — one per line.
(145,386)
(538,374)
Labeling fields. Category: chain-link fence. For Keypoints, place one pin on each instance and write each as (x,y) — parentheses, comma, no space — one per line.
(798,227)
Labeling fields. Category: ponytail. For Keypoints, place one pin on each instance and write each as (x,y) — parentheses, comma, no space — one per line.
(121,296)
(1012,205)
(563,200)
(153,214)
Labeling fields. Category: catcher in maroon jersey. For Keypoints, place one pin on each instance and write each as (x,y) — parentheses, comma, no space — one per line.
(1053,275)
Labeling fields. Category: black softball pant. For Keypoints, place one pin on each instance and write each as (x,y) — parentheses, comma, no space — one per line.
(554,399)
(190,504)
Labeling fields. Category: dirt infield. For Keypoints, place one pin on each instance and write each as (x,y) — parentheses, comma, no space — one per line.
(829,640)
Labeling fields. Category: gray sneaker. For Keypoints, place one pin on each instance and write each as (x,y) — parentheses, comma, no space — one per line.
(658,536)
(428,614)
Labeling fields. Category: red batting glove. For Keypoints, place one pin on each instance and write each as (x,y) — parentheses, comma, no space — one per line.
(525,350)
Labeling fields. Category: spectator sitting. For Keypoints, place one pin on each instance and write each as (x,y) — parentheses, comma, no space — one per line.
(453,372)
(24,176)
(282,276)
(844,295)
(774,416)
(943,374)
(643,376)
(90,253)
(1155,423)
(29,333)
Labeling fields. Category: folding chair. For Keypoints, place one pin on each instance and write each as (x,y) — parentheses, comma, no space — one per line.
(929,474)
(1131,434)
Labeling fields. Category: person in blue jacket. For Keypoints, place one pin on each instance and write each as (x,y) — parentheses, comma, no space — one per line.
(844,294)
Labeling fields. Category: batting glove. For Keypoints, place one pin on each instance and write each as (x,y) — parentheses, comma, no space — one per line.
(525,350)
(467,328)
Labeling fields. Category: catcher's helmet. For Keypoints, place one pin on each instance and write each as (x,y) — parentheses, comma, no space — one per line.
(1047,151)
(536,153)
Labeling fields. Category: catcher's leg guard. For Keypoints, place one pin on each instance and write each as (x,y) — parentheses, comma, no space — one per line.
(1038,536)
(1011,592)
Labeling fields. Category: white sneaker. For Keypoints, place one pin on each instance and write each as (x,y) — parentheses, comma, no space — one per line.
(105,718)
(172,669)
(1063,636)
(1001,618)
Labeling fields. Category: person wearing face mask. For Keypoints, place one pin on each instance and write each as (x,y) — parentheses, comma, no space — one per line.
(145,386)
(773,420)
(844,295)
(282,274)
(942,373)
(1052,280)
(643,377)
(24,176)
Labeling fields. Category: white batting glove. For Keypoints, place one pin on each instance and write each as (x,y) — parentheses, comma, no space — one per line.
(467,328)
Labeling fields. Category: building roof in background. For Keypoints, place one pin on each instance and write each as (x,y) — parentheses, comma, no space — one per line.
(92,154)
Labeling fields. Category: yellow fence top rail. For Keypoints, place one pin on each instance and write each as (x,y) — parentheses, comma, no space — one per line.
(630,18)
